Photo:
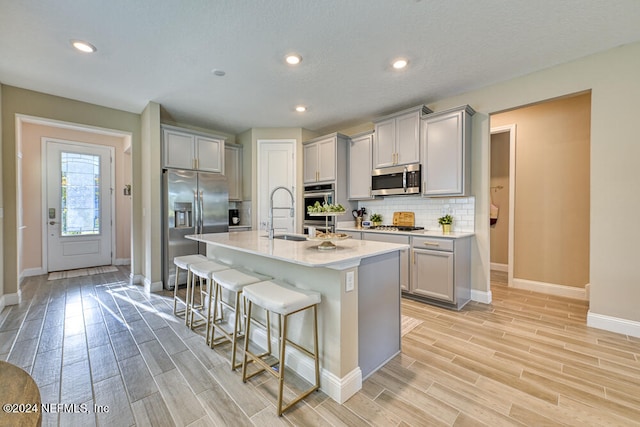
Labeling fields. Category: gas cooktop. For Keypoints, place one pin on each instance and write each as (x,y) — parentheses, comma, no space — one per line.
(396,228)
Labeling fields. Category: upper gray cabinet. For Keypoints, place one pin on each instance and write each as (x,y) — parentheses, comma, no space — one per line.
(233,171)
(396,139)
(446,152)
(320,163)
(186,149)
(360,162)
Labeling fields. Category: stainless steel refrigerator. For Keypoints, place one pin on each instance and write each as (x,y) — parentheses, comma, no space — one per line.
(193,203)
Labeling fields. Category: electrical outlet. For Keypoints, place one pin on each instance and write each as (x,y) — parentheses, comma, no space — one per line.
(351,281)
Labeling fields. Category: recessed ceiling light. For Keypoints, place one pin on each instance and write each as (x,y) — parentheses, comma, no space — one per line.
(301,108)
(399,64)
(293,59)
(219,73)
(83,46)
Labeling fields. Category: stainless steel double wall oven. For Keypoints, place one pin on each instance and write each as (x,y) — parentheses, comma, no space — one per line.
(318,193)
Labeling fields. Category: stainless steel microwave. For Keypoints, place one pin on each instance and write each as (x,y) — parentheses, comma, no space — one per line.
(396,180)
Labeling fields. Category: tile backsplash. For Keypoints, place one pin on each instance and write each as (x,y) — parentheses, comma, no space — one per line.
(427,210)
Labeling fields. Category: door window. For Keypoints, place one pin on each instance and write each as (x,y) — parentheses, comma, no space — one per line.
(80,194)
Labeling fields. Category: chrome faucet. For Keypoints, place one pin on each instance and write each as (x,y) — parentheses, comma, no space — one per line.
(291,210)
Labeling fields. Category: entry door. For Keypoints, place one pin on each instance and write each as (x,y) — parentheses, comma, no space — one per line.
(276,167)
(78,213)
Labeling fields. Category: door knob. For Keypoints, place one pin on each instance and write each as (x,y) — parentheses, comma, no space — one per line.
(52,222)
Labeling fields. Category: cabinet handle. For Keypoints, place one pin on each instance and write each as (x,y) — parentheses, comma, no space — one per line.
(432,243)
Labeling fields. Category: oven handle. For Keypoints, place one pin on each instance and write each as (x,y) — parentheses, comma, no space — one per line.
(321,194)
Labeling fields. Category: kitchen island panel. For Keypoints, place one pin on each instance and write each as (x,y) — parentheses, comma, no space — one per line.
(359,315)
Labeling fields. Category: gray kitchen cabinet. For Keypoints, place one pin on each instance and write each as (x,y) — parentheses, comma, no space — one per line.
(396,139)
(446,152)
(360,164)
(404,255)
(186,149)
(441,271)
(319,154)
(233,171)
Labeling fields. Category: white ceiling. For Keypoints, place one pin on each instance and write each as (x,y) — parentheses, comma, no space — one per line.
(164,51)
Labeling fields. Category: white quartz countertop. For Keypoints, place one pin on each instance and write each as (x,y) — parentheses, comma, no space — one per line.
(348,251)
(425,233)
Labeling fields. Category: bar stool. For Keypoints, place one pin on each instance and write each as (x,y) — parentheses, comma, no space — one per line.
(204,270)
(183,262)
(284,300)
(232,280)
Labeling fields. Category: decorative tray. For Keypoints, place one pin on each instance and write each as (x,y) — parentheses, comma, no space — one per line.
(328,239)
(326,213)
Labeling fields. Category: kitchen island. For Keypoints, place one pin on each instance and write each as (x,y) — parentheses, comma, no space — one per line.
(359,316)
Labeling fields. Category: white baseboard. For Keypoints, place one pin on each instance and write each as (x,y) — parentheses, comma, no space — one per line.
(152,286)
(499,267)
(30,272)
(122,261)
(9,299)
(136,279)
(550,288)
(613,324)
(484,297)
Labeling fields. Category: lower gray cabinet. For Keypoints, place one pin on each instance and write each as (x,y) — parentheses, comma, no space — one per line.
(441,270)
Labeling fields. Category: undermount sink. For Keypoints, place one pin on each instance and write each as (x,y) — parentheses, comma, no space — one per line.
(290,237)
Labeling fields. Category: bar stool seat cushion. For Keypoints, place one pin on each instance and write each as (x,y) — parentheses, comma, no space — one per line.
(235,279)
(207,268)
(280,297)
(185,261)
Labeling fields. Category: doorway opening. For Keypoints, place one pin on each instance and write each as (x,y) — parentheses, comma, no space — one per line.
(32,212)
(548,199)
(78,202)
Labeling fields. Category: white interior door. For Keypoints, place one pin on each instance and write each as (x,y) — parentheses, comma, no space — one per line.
(79,205)
(276,167)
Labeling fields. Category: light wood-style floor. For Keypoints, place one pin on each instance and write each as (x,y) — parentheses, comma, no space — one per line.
(526,359)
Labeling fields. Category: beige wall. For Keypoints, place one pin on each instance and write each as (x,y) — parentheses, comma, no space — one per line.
(500,197)
(612,77)
(32,135)
(21,101)
(551,218)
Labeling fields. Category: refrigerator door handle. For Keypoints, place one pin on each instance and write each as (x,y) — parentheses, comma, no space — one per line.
(196,213)
(201,211)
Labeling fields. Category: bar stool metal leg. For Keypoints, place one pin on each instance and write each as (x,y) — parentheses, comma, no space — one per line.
(284,300)
(231,281)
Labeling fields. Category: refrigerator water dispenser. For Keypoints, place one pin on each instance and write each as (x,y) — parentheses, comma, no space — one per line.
(183,215)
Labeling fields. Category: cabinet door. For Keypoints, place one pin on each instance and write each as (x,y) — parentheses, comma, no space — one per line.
(310,163)
(327,160)
(233,172)
(404,255)
(209,153)
(433,274)
(178,150)
(360,159)
(408,138)
(443,154)
(384,148)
